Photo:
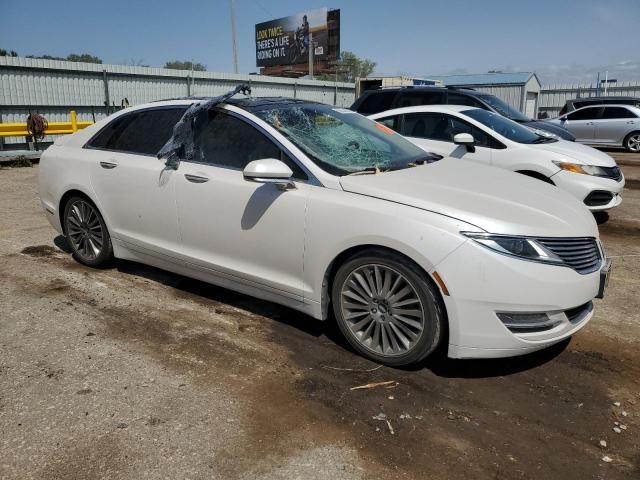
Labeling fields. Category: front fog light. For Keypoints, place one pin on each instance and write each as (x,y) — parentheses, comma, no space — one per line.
(527,322)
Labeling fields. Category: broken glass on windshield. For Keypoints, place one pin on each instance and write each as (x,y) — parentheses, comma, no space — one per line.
(341,141)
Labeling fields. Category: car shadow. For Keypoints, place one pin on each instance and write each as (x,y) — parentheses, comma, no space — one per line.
(285,318)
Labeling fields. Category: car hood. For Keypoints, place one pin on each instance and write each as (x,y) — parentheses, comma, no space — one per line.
(495,200)
(576,152)
(552,128)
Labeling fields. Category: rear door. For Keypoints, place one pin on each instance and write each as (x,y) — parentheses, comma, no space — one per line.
(434,132)
(134,190)
(614,124)
(582,123)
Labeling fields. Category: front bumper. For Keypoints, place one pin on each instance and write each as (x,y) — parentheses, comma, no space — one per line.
(483,283)
(581,186)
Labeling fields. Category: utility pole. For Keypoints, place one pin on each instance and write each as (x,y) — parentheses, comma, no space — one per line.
(310,55)
(233,35)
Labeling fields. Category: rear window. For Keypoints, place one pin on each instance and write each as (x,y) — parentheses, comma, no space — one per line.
(617,112)
(376,102)
(143,132)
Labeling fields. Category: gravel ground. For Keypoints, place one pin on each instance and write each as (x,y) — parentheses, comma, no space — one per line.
(133,372)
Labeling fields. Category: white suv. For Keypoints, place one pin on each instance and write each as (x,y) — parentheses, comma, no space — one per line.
(485,137)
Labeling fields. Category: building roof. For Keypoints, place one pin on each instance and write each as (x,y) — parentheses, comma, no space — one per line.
(486,78)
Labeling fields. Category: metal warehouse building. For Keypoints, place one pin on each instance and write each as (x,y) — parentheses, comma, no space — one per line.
(519,89)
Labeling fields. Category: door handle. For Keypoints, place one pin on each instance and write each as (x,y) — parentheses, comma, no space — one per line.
(108,165)
(196,178)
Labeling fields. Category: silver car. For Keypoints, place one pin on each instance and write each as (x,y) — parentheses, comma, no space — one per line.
(617,125)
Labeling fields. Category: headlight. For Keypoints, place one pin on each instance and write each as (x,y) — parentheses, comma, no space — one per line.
(521,247)
(584,169)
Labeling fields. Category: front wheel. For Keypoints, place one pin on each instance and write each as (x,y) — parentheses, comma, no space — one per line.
(632,142)
(87,233)
(387,308)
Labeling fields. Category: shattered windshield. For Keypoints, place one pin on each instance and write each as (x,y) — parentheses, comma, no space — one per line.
(341,141)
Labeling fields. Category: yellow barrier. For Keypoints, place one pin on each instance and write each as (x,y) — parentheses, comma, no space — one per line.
(54,128)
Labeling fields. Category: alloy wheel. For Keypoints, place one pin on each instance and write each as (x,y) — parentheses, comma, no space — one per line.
(382,309)
(633,143)
(84,230)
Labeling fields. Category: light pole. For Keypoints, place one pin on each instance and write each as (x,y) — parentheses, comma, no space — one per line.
(233,35)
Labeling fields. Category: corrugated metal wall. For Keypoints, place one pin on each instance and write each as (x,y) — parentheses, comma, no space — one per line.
(512,94)
(553,97)
(53,88)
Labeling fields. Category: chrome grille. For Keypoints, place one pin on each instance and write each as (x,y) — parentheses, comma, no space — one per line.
(581,254)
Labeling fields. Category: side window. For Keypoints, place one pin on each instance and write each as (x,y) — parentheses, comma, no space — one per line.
(376,102)
(392,122)
(458,99)
(460,126)
(590,113)
(432,126)
(411,98)
(142,132)
(617,112)
(230,142)
(577,105)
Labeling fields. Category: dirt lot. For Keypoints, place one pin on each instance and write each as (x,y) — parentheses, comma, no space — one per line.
(136,373)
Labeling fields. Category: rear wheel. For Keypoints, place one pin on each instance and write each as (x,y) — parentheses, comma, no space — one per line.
(387,308)
(87,233)
(632,142)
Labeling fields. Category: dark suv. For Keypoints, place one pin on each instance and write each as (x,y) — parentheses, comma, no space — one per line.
(381,99)
(576,103)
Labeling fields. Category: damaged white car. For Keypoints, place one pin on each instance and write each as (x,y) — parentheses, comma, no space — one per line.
(323,210)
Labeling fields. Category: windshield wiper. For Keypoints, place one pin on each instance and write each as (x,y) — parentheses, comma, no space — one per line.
(543,139)
(369,170)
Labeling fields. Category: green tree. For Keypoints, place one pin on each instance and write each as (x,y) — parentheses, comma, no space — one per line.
(350,67)
(72,57)
(7,53)
(83,57)
(180,65)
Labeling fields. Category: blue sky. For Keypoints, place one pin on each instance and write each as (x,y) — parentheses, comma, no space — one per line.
(561,40)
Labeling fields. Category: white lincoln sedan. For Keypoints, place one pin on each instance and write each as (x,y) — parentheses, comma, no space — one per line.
(485,137)
(330,213)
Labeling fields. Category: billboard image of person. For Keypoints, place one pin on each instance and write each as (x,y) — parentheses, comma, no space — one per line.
(286,41)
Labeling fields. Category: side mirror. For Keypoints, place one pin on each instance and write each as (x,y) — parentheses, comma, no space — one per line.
(269,170)
(465,139)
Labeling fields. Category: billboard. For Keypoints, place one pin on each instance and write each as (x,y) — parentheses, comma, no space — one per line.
(285,41)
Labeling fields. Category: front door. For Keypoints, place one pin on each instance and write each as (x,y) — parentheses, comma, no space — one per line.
(246,232)
(434,132)
(582,123)
(135,192)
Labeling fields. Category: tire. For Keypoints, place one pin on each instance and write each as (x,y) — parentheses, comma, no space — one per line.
(632,142)
(87,233)
(376,318)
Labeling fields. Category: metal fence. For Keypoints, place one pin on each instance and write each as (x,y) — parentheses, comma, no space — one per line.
(53,88)
(553,97)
